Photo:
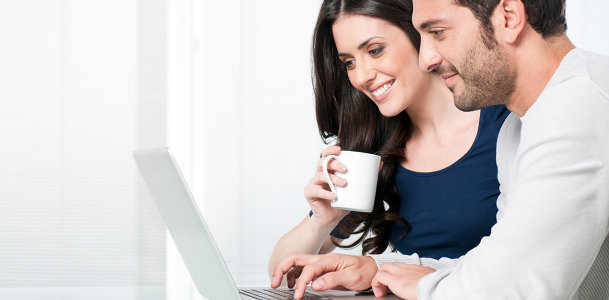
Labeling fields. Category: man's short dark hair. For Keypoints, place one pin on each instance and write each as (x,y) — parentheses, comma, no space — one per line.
(547,17)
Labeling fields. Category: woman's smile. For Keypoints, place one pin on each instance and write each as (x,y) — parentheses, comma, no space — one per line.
(380,93)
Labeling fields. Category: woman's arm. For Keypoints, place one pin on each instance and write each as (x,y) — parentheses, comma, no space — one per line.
(312,235)
(306,238)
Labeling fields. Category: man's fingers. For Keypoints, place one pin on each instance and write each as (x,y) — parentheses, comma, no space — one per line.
(343,278)
(327,263)
(292,275)
(308,273)
(378,286)
(400,278)
(380,291)
(325,282)
(285,265)
(380,282)
(351,272)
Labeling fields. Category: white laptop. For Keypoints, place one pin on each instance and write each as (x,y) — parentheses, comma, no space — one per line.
(194,240)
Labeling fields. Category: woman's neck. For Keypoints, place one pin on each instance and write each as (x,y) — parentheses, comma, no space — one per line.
(442,134)
(434,114)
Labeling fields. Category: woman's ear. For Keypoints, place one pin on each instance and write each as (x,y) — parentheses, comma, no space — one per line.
(509,20)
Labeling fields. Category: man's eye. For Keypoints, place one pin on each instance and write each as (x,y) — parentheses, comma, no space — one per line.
(436,33)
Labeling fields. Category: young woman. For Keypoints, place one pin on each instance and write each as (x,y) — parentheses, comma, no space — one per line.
(437,188)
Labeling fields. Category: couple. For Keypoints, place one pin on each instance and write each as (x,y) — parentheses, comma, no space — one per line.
(552,152)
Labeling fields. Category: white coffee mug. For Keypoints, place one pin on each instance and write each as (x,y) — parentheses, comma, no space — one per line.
(361,175)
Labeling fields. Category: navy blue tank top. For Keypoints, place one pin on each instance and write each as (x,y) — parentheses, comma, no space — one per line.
(452,209)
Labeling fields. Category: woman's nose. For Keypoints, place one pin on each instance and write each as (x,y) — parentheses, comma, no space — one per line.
(364,74)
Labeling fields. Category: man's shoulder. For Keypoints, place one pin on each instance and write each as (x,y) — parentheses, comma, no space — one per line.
(581,71)
(580,82)
(577,100)
(598,69)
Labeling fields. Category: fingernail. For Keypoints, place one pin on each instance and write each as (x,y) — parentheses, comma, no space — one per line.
(273,280)
(343,181)
(342,167)
(319,284)
(296,293)
(336,148)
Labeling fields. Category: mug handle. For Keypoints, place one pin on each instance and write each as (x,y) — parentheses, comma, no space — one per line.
(325,169)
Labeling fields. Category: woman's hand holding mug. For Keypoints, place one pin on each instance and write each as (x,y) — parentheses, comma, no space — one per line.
(318,193)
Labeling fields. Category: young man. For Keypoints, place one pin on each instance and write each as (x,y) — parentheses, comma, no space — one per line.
(550,240)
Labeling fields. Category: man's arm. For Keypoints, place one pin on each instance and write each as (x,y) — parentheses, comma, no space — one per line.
(555,213)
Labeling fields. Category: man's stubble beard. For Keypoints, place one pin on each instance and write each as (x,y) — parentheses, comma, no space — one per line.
(488,77)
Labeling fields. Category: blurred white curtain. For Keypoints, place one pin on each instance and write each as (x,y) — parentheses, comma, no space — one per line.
(83,85)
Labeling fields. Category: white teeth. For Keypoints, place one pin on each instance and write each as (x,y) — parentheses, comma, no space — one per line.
(382,89)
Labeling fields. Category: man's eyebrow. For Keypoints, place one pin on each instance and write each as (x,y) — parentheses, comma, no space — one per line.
(429,23)
(362,45)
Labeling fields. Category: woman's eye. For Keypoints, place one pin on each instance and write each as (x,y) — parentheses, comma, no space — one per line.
(376,51)
(349,64)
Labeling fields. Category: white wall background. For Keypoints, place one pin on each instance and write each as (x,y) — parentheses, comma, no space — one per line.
(76,99)
(226,84)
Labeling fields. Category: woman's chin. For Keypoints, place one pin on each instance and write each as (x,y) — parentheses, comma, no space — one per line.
(389,112)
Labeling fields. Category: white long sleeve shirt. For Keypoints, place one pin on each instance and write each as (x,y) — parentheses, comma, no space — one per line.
(550,240)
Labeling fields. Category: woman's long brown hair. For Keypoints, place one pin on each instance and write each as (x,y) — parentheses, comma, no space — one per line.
(349,116)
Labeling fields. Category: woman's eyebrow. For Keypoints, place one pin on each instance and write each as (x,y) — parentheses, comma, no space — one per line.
(362,45)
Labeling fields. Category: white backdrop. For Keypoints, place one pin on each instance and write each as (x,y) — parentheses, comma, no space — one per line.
(82,84)
(226,84)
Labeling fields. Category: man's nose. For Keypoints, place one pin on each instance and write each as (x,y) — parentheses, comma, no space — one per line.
(429,58)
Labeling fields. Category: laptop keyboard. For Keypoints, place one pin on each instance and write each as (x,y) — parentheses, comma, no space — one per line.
(265,294)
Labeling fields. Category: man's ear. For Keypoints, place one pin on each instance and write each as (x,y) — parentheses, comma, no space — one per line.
(509,20)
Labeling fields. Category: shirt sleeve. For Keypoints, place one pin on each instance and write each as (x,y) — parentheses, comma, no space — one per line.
(414,259)
(556,207)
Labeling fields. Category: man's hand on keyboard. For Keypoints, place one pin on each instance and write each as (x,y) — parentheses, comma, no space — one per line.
(326,272)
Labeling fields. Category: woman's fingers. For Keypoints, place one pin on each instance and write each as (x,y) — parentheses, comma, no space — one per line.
(318,187)
(320,179)
(316,193)
(333,164)
(332,150)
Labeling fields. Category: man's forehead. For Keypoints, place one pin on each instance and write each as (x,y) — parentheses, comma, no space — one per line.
(431,12)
